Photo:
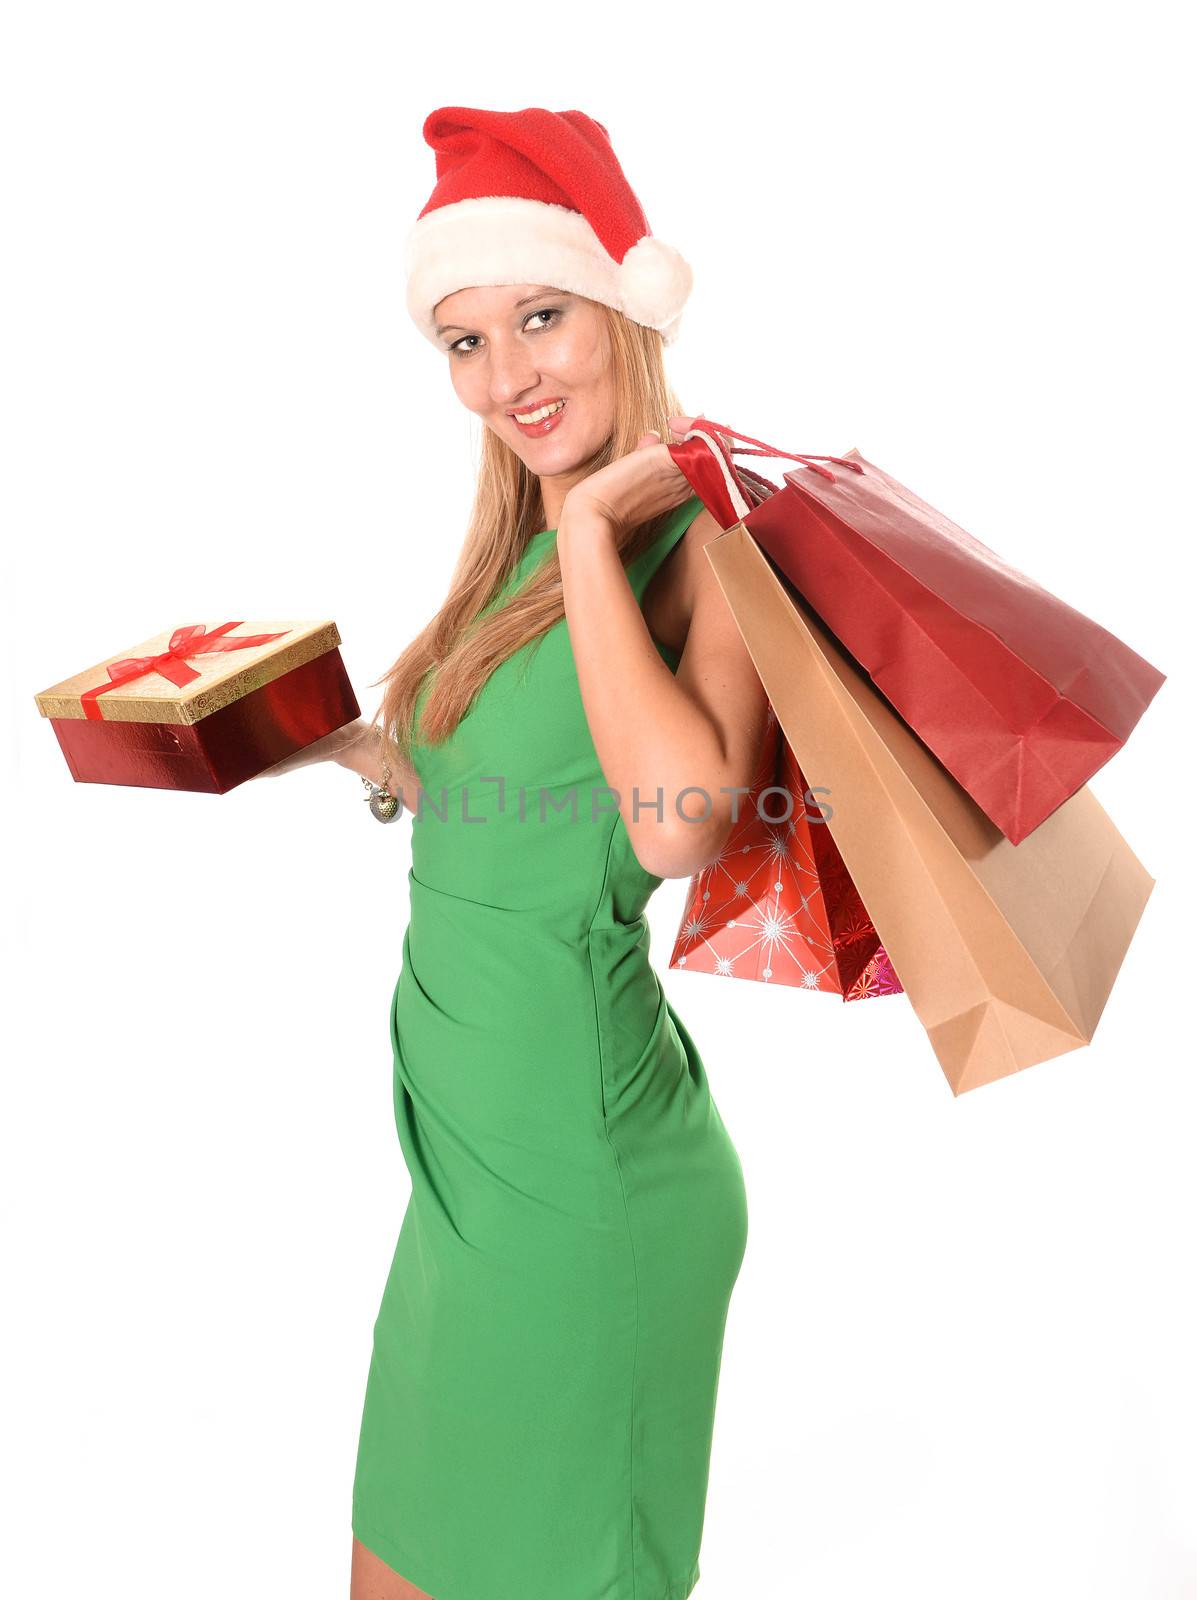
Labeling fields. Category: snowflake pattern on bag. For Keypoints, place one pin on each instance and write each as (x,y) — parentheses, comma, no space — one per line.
(779,905)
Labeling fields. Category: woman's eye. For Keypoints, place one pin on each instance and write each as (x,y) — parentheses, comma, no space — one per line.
(549,311)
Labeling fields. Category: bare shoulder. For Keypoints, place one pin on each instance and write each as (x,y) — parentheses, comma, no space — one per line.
(701,531)
(670,597)
(716,668)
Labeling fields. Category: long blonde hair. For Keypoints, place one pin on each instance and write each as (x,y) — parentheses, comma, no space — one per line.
(464,646)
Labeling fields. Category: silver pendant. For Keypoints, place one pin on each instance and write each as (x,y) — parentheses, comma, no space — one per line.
(384,806)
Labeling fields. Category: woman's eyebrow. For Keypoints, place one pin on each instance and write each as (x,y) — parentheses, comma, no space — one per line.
(527,300)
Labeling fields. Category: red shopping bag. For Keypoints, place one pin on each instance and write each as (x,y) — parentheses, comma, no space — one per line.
(779,905)
(1021,697)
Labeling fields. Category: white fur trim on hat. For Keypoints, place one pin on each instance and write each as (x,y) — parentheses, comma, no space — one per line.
(497,239)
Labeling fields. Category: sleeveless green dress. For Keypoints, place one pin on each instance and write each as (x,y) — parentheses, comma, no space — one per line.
(540,1400)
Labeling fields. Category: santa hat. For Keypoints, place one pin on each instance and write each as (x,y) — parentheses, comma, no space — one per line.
(537,197)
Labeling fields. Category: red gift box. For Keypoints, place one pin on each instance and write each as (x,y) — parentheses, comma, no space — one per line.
(203,707)
(779,905)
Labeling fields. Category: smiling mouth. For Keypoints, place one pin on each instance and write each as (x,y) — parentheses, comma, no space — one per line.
(541,419)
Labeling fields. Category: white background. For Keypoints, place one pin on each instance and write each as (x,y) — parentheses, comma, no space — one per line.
(959,1359)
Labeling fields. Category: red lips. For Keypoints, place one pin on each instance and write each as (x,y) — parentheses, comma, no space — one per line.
(523,411)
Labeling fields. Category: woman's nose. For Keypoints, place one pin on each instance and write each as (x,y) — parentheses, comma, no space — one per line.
(511,376)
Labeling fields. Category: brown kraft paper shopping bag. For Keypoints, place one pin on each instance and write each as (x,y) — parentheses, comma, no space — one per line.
(1007,952)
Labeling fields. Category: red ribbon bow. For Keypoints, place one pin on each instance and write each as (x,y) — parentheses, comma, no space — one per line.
(191,640)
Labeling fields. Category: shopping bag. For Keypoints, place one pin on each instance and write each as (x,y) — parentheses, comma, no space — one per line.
(778,905)
(1020,696)
(1007,952)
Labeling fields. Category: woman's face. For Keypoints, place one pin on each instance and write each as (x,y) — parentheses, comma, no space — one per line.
(519,346)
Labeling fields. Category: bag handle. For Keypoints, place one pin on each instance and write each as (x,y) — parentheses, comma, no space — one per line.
(729,491)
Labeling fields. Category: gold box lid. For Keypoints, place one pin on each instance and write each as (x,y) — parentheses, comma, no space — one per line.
(211,675)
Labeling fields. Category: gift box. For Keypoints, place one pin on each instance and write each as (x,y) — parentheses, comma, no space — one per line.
(779,905)
(202,707)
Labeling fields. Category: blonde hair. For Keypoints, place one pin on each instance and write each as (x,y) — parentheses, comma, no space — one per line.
(460,643)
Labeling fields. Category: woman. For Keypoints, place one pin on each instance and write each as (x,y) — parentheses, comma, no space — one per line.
(540,1400)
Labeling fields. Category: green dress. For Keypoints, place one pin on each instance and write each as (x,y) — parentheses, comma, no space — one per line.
(541,1392)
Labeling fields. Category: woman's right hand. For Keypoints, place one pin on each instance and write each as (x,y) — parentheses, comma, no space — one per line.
(334,746)
(356,746)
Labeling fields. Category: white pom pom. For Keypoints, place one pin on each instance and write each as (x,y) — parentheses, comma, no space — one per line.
(654,282)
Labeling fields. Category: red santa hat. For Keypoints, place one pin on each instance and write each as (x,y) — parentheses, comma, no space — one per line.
(537,197)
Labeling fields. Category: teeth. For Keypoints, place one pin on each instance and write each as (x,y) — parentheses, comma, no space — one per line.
(539,416)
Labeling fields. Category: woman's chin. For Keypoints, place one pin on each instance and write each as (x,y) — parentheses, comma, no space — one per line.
(555,463)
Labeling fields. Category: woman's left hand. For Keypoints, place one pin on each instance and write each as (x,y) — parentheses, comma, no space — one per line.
(639,486)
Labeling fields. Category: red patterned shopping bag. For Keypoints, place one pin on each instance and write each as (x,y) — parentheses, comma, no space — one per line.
(779,905)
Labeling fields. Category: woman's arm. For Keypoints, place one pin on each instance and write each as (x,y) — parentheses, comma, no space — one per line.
(699,730)
(356,746)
